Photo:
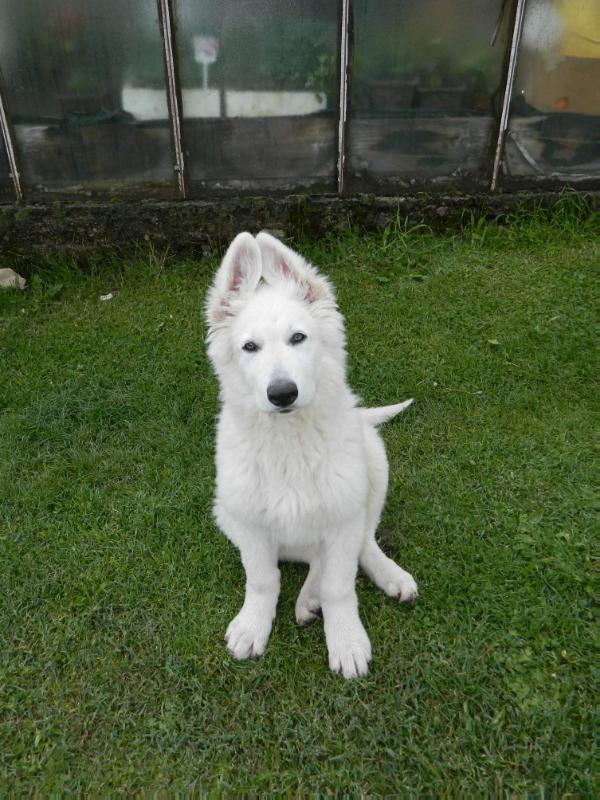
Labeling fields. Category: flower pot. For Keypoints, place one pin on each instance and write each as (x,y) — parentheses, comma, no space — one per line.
(392,95)
(444,98)
(478,102)
(86,104)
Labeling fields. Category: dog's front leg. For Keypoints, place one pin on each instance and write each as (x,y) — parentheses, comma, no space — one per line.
(248,633)
(348,645)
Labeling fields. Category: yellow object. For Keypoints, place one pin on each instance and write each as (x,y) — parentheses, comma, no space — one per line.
(581,19)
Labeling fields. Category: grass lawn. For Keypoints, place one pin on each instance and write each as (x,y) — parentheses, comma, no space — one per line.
(116,587)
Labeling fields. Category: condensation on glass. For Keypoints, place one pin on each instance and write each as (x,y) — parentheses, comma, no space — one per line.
(554,128)
(86,94)
(259,91)
(426,86)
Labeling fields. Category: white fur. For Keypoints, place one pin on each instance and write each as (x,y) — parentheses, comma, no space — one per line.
(308,485)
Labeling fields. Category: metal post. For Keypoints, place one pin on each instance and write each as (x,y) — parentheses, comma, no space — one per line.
(508,89)
(343,108)
(173,94)
(9,141)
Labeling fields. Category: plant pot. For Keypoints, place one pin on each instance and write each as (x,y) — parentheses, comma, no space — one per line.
(392,95)
(478,102)
(86,103)
(444,98)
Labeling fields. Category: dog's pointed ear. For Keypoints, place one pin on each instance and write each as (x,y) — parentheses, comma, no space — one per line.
(280,262)
(239,273)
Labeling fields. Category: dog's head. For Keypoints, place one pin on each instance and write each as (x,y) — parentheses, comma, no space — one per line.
(273,326)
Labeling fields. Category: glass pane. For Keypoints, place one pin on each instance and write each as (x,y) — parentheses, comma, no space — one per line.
(425,79)
(259,89)
(555,124)
(71,68)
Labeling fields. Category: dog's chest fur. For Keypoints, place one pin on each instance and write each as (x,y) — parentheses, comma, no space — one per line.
(291,479)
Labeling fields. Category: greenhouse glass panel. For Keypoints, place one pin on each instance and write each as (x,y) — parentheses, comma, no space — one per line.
(555,123)
(426,82)
(259,91)
(72,70)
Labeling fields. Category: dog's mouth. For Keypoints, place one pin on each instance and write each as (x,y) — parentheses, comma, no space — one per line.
(286,410)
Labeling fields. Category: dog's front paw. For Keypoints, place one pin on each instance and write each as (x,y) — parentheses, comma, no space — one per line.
(349,649)
(401,584)
(248,634)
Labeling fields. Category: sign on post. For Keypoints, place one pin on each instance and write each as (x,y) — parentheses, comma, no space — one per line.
(206,52)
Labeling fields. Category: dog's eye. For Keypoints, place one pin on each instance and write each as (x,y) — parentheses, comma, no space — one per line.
(297,338)
(250,347)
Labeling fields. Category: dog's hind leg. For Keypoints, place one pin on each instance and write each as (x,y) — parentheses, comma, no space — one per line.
(308,604)
(385,573)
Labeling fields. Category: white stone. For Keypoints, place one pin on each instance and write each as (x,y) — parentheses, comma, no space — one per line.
(9,279)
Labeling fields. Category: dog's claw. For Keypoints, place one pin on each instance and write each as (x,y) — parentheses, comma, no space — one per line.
(308,607)
(409,593)
(306,616)
(403,587)
(349,650)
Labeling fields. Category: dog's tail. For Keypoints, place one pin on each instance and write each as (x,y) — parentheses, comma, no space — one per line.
(376,416)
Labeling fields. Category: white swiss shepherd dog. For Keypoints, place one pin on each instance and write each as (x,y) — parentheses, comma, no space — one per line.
(302,472)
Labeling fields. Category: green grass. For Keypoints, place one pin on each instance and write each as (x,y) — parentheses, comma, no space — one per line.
(116,587)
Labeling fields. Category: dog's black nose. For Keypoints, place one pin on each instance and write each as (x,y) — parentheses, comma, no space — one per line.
(282,393)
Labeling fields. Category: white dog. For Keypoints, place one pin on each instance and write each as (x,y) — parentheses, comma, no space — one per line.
(301,469)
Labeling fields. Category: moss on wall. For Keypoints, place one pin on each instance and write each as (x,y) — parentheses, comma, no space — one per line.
(183,229)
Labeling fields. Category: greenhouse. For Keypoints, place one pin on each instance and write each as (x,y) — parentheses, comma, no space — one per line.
(179,99)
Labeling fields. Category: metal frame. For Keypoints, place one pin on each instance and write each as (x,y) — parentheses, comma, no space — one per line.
(165,15)
(343,104)
(9,142)
(508,90)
